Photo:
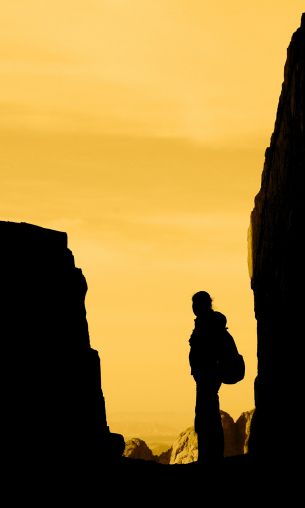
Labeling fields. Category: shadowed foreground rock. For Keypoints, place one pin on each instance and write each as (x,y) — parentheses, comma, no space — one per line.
(53,408)
(278,269)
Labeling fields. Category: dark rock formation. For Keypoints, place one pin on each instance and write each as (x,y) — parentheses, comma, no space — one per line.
(229,432)
(164,457)
(136,448)
(242,429)
(53,405)
(277,225)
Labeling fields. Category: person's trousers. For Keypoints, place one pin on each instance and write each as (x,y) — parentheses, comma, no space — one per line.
(208,424)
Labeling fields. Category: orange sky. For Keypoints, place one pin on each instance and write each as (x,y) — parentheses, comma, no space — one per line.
(139,127)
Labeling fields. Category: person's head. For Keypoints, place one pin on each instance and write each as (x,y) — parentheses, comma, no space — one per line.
(202,303)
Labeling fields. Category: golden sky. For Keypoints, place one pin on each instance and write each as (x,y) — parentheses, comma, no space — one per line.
(139,128)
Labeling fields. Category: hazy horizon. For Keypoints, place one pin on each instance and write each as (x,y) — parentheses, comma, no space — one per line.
(153,428)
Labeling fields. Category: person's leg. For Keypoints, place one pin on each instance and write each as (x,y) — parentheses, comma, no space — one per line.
(208,424)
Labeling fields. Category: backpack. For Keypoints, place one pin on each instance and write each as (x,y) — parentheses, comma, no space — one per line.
(231,364)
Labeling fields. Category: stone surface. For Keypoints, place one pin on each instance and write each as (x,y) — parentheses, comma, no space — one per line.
(277,266)
(164,457)
(242,428)
(53,402)
(229,431)
(136,448)
(185,448)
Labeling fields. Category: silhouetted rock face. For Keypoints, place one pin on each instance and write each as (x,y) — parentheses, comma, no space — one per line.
(185,448)
(54,404)
(229,432)
(164,457)
(136,448)
(277,224)
(242,428)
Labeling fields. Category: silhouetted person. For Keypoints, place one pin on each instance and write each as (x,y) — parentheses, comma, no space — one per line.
(206,348)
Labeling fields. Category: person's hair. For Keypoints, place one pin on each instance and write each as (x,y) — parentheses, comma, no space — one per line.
(202,298)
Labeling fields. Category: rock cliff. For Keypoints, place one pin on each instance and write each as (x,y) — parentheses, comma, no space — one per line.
(136,448)
(185,448)
(53,403)
(277,266)
(242,428)
(165,457)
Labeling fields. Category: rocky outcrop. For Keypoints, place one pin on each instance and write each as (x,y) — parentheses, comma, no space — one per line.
(277,266)
(164,457)
(229,432)
(242,429)
(185,448)
(53,402)
(136,448)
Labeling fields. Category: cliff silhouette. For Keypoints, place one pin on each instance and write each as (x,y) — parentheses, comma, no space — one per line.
(54,409)
(277,260)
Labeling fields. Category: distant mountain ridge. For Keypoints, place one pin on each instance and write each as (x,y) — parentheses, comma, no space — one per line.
(184,448)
